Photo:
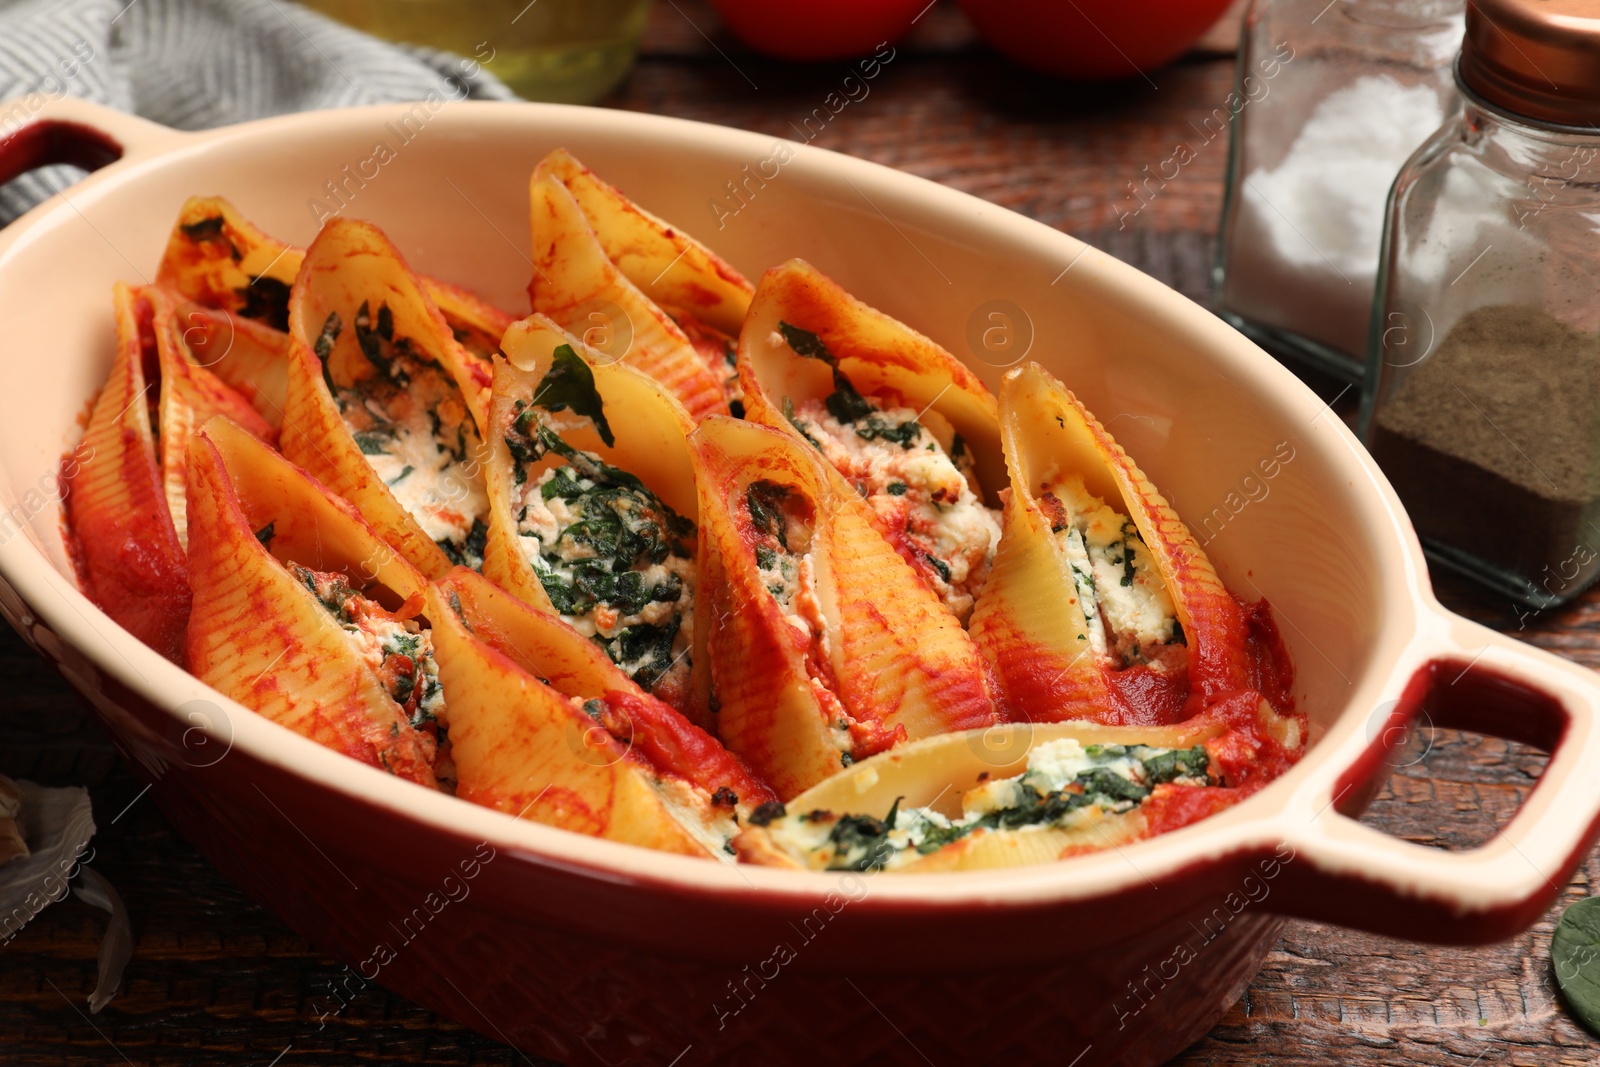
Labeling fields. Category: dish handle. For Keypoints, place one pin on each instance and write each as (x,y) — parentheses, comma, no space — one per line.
(1470,678)
(40,129)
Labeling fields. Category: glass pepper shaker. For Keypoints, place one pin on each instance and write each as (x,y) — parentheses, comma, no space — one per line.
(1330,98)
(1482,393)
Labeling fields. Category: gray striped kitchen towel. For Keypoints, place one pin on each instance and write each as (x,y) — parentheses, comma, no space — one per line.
(193,64)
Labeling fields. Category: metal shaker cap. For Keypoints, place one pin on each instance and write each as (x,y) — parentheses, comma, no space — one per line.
(1535,58)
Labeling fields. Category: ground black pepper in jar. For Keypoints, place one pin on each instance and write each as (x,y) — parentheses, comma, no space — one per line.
(1482,392)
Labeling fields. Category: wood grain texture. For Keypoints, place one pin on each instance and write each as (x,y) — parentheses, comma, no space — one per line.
(217,980)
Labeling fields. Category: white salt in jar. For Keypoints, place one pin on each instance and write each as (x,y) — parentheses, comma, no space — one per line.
(1356,86)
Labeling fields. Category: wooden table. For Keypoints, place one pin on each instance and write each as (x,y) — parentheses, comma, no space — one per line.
(215,979)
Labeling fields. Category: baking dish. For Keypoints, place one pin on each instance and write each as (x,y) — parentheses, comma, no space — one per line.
(591,952)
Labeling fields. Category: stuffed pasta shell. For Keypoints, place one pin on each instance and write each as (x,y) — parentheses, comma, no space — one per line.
(545,727)
(592,502)
(348,663)
(221,260)
(667,304)
(1022,794)
(899,421)
(823,646)
(248,357)
(383,405)
(1101,604)
(128,486)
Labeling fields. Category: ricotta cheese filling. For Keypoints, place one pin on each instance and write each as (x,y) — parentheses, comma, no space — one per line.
(399,652)
(782,543)
(414,428)
(711,825)
(1065,785)
(616,562)
(1128,616)
(927,498)
(781,534)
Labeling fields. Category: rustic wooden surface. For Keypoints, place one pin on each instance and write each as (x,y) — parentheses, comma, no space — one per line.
(215,979)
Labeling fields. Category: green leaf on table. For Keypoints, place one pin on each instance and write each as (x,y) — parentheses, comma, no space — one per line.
(1575,958)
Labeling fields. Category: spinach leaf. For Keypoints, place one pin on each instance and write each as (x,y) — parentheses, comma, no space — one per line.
(794,420)
(844,403)
(861,842)
(807,344)
(388,356)
(904,434)
(477,541)
(1575,958)
(373,442)
(766,812)
(208,229)
(469,553)
(765,502)
(324,348)
(1177,763)
(1130,534)
(265,300)
(569,383)
(331,327)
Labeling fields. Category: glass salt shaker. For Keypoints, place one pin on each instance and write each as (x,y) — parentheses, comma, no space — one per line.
(1329,100)
(1482,393)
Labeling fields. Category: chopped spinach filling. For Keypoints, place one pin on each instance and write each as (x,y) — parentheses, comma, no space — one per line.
(469,552)
(613,558)
(801,427)
(1125,602)
(207,229)
(411,421)
(395,358)
(844,403)
(904,434)
(1114,778)
(265,300)
(765,501)
(402,658)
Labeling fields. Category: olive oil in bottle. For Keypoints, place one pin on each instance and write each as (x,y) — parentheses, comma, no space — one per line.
(567,51)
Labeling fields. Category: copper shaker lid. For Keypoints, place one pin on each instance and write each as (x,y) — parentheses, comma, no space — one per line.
(1537,58)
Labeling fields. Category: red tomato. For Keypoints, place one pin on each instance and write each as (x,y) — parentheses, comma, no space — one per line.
(1091,39)
(818,29)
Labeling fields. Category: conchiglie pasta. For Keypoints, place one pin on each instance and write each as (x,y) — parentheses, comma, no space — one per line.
(670,267)
(544,727)
(754,574)
(1101,605)
(248,357)
(823,646)
(347,664)
(132,560)
(221,260)
(592,503)
(154,400)
(900,422)
(602,264)
(383,405)
(1022,794)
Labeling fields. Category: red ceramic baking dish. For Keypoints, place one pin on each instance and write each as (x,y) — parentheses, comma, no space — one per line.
(590,952)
